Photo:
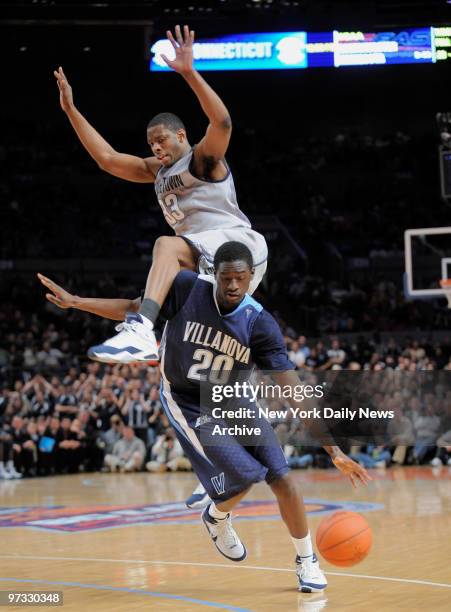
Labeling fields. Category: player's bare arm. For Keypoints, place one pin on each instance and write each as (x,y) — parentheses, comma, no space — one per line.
(355,472)
(210,151)
(122,165)
(114,309)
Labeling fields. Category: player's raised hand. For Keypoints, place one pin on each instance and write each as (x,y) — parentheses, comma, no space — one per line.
(58,296)
(350,468)
(66,97)
(183,47)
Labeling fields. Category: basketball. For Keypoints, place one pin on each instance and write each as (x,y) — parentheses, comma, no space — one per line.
(344,539)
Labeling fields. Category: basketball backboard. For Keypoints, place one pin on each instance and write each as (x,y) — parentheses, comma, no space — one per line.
(427,261)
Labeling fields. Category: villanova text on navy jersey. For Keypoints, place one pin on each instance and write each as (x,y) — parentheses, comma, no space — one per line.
(202,345)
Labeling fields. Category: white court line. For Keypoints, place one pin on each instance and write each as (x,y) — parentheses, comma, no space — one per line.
(226,566)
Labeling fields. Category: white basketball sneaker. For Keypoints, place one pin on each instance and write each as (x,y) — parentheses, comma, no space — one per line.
(224,536)
(4,473)
(11,470)
(198,499)
(310,576)
(135,342)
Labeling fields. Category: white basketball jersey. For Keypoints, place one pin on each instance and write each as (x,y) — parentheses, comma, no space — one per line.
(191,205)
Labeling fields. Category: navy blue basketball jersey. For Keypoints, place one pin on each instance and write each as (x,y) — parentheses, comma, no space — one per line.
(201,345)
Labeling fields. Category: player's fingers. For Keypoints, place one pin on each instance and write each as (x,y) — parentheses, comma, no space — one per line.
(364,478)
(178,35)
(168,61)
(363,475)
(48,283)
(191,35)
(52,298)
(45,281)
(353,480)
(171,39)
(186,37)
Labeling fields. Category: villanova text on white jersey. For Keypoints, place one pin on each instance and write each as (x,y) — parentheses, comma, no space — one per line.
(191,205)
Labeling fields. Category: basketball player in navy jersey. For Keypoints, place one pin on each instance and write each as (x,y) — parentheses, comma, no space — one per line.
(205,316)
(195,190)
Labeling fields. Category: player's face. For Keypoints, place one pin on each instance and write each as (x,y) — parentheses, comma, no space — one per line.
(233,279)
(166,145)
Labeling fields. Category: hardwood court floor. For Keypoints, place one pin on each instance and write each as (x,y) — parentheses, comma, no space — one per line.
(125,543)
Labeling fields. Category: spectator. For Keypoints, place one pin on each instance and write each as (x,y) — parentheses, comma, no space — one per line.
(113,434)
(167,454)
(135,412)
(427,427)
(128,453)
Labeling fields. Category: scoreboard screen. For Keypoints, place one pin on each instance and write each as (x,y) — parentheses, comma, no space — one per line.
(301,50)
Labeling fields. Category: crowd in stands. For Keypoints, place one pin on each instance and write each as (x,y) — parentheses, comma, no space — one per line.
(85,416)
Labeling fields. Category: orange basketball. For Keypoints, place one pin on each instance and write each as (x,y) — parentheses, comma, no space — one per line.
(344,538)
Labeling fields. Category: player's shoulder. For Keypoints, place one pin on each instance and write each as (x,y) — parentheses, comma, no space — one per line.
(265,322)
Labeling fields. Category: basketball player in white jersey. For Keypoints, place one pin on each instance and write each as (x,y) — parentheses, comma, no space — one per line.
(196,193)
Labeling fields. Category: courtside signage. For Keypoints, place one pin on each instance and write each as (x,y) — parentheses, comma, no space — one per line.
(68,519)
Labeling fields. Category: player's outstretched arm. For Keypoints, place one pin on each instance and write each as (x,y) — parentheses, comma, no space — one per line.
(217,137)
(114,309)
(122,165)
(317,428)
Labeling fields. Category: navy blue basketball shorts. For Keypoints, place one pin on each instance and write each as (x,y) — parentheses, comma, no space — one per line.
(225,468)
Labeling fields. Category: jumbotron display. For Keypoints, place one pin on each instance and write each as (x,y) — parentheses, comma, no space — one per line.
(291,50)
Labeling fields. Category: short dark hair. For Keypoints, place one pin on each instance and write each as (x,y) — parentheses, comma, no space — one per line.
(169,120)
(233,251)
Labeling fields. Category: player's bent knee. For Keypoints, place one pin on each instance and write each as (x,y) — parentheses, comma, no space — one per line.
(173,247)
(163,245)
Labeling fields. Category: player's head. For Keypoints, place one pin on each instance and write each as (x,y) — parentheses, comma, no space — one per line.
(234,269)
(166,136)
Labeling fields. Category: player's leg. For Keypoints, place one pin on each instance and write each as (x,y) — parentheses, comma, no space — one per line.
(136,338)
(292,509)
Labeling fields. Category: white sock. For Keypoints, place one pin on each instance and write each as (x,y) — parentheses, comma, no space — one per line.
(303,546)
(2,466)
(10,464)
(215,513)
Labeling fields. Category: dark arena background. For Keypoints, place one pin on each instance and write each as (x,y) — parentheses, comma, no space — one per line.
(341,143)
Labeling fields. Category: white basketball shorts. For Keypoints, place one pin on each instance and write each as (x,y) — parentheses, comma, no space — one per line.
(208,242)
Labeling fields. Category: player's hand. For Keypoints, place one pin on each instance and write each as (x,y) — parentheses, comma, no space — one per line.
(183,46)
(66,97)
(58,296)
(350,468)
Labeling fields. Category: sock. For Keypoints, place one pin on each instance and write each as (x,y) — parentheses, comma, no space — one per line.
(303,546)
(150,309)
(216,513)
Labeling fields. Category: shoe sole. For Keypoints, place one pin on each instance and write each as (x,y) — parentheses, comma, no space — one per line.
(108,359)
(199,505)
(242,558)
(311,589)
